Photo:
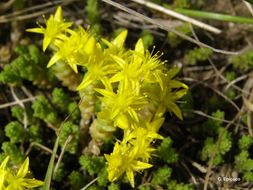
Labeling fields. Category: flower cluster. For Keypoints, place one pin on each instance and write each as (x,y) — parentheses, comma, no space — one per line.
(11,181)
(135,89)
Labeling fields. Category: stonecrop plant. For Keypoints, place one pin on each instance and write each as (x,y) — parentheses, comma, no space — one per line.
(11,180)
(133,88)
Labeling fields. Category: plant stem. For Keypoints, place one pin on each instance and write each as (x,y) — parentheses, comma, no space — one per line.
(51,166)
(215,16)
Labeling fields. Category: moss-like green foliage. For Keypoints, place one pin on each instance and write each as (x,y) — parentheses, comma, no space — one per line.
(93,15)
(95,187)
(13,151)
(92,164)
(74,112)
(44,110)
(92,11)
(210,146)
(61,99)
(60,173)
(230,75)
(211,126)
(10,75)
(244,164)
(166,152)
(245,142)
(161,176)
(173,185)
(144,187)
(243,62)
(243,161)
(2,156)
(102,178)
(226,141)
(174,40)
(113,186)
(69,129)
(197,54)
(29,65)
(76,180)
(231,93)
(15,131)
(147,38)
(18,113)
(181,4)
(34,133)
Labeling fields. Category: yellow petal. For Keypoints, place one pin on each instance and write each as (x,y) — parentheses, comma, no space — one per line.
(58,14)
(139,47)
(86,81)
(122,122)
(73,66)
(2,179)
(130,176)
(46,42)
(175,109)
(156,124)
(141,165)
(35,30)
(111,177)
(159,79)
(31,183)
(138,52)
(120,61)
(120,39)
(133,114)
(23,169)
(56,57)
(90,46)
(4,163)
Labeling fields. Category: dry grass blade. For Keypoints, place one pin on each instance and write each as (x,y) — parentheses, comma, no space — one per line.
(179,16)
(24,13)
(21,105)
(248,103)
(198,112)
(32,8)
(27,16)
(168,29)
(2,106)
(6,5)
(249,6)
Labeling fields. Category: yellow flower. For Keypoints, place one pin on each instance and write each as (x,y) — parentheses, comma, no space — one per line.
(3,172)
(122,105)
(98,70)
(129,75)
(18,181)
(169,96)
(117,44)
(123,159)
(166,97)
(138,68)
(72,51)
(141,139)
(55,26)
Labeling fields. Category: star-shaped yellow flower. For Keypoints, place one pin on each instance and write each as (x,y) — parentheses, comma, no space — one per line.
(123,160)
(55,26)
(18,181)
